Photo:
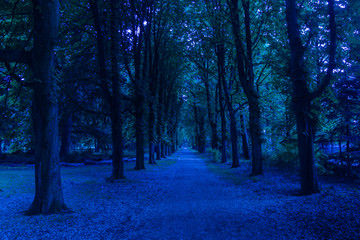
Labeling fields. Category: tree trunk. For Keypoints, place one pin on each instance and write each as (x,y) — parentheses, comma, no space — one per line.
(223,125)
(48,189)
(233,128)
(255,133)
(139,133)
(118,145)
(302,97)
(245,138)
(163,154)
(309,181)
(116,120)
(212,118)
(114,98)
(234,141)
(158,151)
(247,80)
(202,133)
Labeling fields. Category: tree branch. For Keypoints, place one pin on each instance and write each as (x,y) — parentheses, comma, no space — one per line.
(332,51)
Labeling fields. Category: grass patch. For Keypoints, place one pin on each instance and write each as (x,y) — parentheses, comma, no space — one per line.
(230,174)
(166,163)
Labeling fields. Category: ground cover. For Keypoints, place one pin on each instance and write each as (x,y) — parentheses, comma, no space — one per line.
(183,197)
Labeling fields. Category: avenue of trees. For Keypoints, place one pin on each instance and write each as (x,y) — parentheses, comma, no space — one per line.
(265,81)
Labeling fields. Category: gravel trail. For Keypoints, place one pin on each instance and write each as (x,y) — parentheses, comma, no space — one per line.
(184,200)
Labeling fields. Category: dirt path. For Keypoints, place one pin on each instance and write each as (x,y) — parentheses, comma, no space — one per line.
(181,201)
(196,204)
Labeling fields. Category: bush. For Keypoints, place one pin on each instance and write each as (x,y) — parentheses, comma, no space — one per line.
(286,154)
(322,165)
(214,155)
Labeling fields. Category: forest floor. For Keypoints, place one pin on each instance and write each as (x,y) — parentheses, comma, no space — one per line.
(183,197)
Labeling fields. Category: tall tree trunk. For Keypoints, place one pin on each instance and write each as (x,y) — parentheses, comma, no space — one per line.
(302,97)
(202,133)
(116,120)
(255,133)
(139,132)
(114,98)
(48,189)
(302,104)
(247,81)
(152,135)
(223,123)
(158,151)
(233,128)
(212,118)
(253,99)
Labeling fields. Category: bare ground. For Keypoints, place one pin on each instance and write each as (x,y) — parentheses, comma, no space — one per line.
(184,197)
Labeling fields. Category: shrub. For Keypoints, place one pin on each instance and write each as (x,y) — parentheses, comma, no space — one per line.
(214,155)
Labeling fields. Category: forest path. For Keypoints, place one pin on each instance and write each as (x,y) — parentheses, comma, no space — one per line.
(194,203)
(183,197)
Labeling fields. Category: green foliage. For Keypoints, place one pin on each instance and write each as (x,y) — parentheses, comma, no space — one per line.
(214,154)
(286,154)
(321,163)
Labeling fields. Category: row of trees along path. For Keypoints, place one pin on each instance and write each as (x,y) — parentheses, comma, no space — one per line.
(40,58)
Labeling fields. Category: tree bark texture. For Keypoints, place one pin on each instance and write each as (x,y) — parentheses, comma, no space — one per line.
(116,79)
(48,189)
(223,123)
(246,77)
(212,118)
(233,128)
(302,96)
(114,98)
(139,132)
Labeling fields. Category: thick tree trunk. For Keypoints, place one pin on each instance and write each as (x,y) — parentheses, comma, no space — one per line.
(255,133)
(309,181)
(302,97)
(48,189)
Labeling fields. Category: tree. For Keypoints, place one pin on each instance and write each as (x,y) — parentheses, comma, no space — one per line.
(113,97)
(48,190)
(244,61)
(302,97)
